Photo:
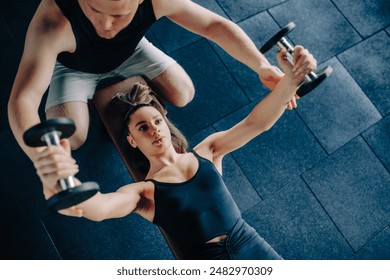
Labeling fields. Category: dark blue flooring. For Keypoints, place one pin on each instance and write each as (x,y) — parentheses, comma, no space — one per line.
(316,186)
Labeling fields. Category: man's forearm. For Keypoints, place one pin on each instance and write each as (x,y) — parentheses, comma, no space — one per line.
(22,114)
(237,43)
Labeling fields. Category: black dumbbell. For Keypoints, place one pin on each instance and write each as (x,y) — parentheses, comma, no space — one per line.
(49,133)
(313,79)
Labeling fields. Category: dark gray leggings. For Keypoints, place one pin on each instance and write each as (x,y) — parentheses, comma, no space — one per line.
(242,243)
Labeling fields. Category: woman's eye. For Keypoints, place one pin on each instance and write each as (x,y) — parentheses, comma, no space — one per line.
(158,121)
(143,128)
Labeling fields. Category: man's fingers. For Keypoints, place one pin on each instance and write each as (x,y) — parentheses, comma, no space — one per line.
(304,62)
(58,171)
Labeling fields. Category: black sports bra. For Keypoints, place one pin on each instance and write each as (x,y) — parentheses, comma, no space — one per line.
(197,210)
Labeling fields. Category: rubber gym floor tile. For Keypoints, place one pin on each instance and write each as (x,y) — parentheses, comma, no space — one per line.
(378,138)
(320,27)
(368,63)
(337,110)
(29,243)
(152,39)
(279,155)
(21,197)
(130,238)
(240,10)
(10,54)
(296,225)
(259,28)
(377,249)
(6,35)
(172,36)
(17,15)
(368,17)
(353,187)
(213,6)
(5,90)
(198,137)
(242,191)
(216,92)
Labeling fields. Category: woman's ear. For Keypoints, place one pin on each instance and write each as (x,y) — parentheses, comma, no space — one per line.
(131,141)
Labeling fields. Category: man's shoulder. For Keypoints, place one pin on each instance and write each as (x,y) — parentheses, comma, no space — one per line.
(49,17)
(49,25)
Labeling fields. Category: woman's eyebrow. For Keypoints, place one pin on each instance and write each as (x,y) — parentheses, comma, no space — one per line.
(139,123)
(143,121)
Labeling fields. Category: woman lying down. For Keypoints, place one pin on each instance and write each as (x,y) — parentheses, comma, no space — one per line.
(184,192)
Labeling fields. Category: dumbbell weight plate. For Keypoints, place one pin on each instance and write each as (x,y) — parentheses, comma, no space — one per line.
(64,127)
(33,137)
(309,86)
(271,42)
(72,196)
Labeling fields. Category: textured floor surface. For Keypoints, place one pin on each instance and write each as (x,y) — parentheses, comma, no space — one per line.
(316,186)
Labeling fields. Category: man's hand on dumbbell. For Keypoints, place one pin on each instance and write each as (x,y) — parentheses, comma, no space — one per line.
(270,75)
(55,166)
(55,163)
(311,79)
(304,63)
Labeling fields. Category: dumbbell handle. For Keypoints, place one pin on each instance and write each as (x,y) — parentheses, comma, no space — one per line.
(284,44)
(52,138)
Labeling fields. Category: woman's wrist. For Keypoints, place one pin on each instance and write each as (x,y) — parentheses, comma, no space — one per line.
(291,82)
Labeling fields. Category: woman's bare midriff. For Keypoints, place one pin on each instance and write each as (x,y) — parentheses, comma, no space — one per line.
(217,239)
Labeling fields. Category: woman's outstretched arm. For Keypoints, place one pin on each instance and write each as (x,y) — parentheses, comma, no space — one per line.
(265,114)
(55,162)
(106,206)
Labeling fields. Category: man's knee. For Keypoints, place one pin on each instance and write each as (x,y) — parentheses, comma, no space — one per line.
(174,85)
(79,113)
(183,95)
(77,139)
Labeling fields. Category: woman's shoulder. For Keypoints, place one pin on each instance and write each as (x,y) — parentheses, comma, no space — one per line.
(205,151)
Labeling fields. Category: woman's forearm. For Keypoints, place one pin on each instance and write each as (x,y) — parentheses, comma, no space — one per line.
(93,209)
(110,205)
(265,114)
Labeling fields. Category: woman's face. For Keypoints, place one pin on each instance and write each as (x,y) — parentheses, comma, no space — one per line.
(109,17)
(148,131)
